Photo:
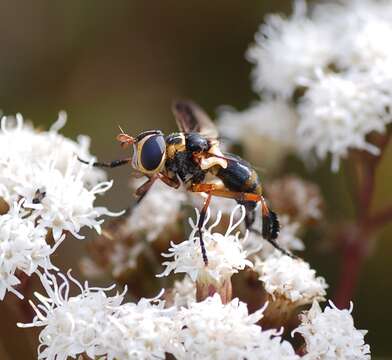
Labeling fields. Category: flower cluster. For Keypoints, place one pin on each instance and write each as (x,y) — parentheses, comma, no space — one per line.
(212,330)
(215,327)
(331,335)
(97,324)
(290,278)
(45,192)
(226,256)
(334,78)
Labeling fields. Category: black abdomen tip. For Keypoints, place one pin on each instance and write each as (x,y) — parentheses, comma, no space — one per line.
(275,227)
(271,226)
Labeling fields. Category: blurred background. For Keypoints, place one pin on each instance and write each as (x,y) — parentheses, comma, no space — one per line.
(122,63)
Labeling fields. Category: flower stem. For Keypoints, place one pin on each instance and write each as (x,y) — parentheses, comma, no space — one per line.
(355,241)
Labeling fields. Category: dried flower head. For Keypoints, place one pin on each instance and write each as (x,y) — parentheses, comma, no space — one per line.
(331,335)
(159,210)
(299,199)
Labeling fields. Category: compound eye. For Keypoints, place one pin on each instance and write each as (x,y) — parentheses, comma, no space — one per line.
(152,152)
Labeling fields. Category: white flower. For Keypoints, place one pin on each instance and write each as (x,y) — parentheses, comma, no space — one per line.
(72,325)
(338,111)
(20,141)
(292,279)
(267,130)
(159,209)
(97,324)
(363,29)
(331,335)
(212,330)
(338,56)
(287,50)
(224,251)
(22,247)
(141,331)
(45,162)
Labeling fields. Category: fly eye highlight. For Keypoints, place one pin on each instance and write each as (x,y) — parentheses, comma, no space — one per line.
(151,153)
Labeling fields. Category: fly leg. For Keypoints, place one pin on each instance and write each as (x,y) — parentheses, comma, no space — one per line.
(109,164)
(200,224)
(172,182)
(270,230)
(144,188)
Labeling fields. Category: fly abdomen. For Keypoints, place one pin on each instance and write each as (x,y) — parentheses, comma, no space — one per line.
(239,176)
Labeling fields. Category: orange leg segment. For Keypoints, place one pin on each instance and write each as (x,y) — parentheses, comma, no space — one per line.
(270,229)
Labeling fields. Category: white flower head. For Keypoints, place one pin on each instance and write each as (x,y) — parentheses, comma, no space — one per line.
(72,325)
(46,162)
(267,130)
(97,324)
(22,248)
(225,252)
(331,335)
(213,330)
(338,56)
(364,29)
(338,111)
(290,279)
(141,331)
(159,209)
(287,50)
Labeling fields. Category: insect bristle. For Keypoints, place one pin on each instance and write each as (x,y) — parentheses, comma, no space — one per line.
(275,227)
(271,226)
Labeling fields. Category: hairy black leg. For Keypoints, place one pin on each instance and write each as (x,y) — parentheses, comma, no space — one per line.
(109,164)
(202,217)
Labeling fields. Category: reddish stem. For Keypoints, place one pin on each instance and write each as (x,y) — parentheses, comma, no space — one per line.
(353,257)
(355,242)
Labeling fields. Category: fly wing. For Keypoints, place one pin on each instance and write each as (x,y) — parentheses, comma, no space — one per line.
(191,118)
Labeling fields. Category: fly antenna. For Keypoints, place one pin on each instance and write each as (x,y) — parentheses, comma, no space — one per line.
(124,139)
